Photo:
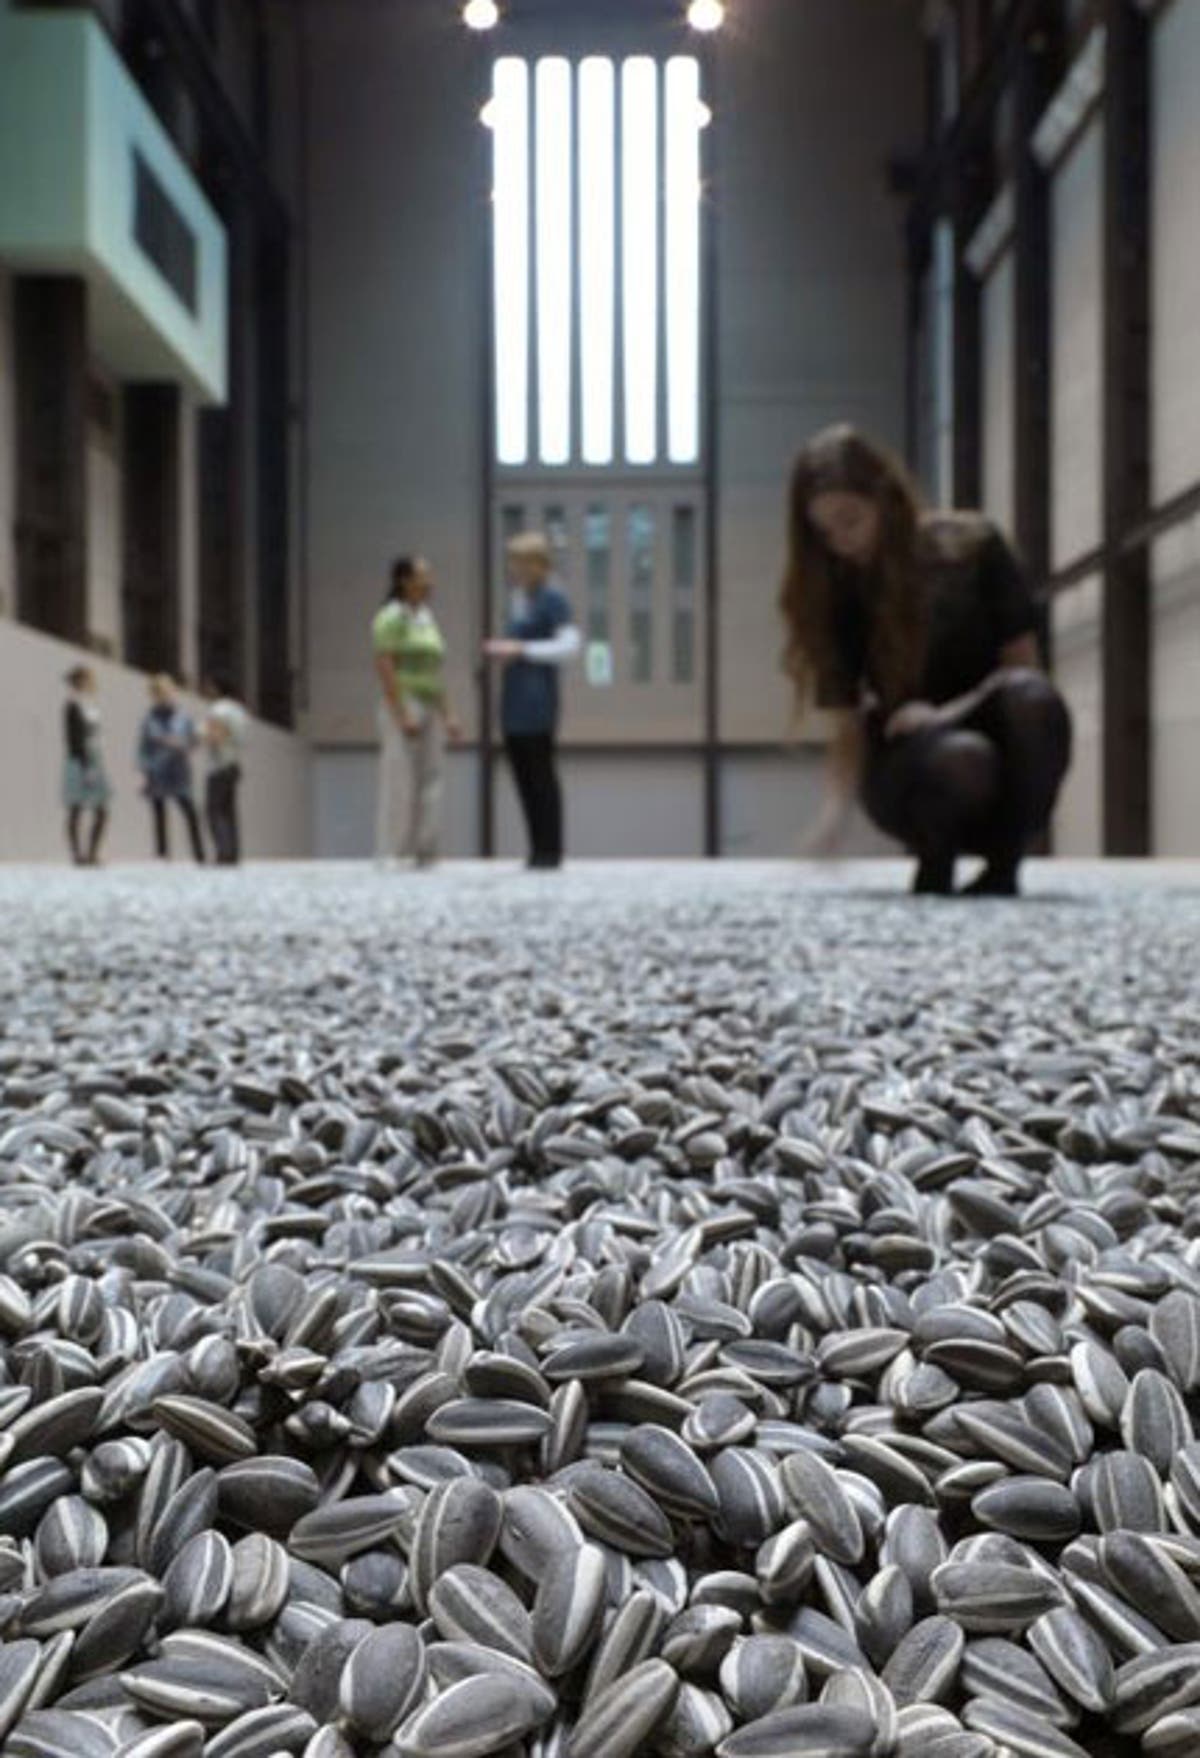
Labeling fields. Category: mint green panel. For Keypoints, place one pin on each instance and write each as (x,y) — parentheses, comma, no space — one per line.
(76,139)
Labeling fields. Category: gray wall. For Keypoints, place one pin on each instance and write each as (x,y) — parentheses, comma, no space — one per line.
(809,102)
(812,99)
(8,461)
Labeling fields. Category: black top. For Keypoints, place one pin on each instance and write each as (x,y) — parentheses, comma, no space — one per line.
(978,599)
(76,729)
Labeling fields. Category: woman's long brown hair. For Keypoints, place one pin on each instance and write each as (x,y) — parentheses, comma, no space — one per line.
(842,460)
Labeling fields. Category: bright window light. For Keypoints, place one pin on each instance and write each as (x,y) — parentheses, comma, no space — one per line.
(639,189)
(597,247)
(706,15)
(555,161)
(683,258)
(510,135)
(481,15)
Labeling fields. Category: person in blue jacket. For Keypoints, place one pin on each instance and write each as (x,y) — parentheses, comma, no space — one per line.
(541,637)
(165,744)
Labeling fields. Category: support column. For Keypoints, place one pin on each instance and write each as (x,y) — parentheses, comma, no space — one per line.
(151,521)
(1127,708)
(1036,76)
(969,202)
(222,449)
(50,350)
(274,596)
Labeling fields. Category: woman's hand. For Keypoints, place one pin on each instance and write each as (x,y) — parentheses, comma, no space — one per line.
(406,720)
(454,729)
(502,648)
(911,717)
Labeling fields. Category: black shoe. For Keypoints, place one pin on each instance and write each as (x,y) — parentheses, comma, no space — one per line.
(934,876)
(544,863)
(998,879)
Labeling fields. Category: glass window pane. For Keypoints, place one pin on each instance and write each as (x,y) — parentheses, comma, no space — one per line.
(683,617)
(597,543)
(641,594)
(639,194)
(597,249)
(510,199)
(555,527)
(682,268)
(555,160)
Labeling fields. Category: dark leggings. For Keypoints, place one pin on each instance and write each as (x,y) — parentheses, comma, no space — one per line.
(86,855)
(538,788)
(162,846)
(985,784)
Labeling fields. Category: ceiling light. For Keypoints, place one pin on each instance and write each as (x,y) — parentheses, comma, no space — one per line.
(706,15)
(481,15)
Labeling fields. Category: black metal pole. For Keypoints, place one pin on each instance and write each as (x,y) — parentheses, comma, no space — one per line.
(710,212)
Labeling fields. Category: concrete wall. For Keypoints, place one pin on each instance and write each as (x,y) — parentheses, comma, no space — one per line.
(998,325)
(1175,680)
(1076,403)
(812,100)
(396,210)
(1076,637)
(1175,344)
(277,807)
(8,454)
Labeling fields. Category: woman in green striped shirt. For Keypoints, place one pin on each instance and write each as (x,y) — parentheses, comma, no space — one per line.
(414,716)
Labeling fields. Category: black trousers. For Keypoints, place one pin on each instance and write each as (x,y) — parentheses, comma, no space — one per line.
(221,810)
(985,784)
(162,845)
(532,758)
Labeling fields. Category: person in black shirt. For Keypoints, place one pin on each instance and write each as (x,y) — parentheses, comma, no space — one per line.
(918,631)
(85,783)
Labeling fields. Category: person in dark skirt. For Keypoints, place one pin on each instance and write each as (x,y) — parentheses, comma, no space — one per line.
(541,637)
(168,737)
(917,630)
(85,783)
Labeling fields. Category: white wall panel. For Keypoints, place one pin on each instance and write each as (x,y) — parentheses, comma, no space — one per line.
(1175,256)
(1175,660)
(105,561)
(998,344)
(648,806)
(1076,400)
(770,800)
(1078,827)
(8,454)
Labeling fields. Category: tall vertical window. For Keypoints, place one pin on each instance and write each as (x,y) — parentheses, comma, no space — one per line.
(597,255)
(554,254)
(510,206)
(597,231)
(683,595)
(641,594)
(682,258)
(597,540)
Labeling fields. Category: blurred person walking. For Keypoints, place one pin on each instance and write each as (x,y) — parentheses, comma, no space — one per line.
(917,630)
(164,756)
(415,717)
(540,638)
(85,783)
(224,733)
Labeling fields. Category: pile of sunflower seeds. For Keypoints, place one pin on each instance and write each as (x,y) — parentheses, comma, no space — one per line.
(576,1318)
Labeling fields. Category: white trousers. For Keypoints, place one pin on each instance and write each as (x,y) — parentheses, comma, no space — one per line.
(408,819)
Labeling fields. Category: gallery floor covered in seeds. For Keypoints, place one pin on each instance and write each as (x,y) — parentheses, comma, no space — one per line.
(661,1310)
